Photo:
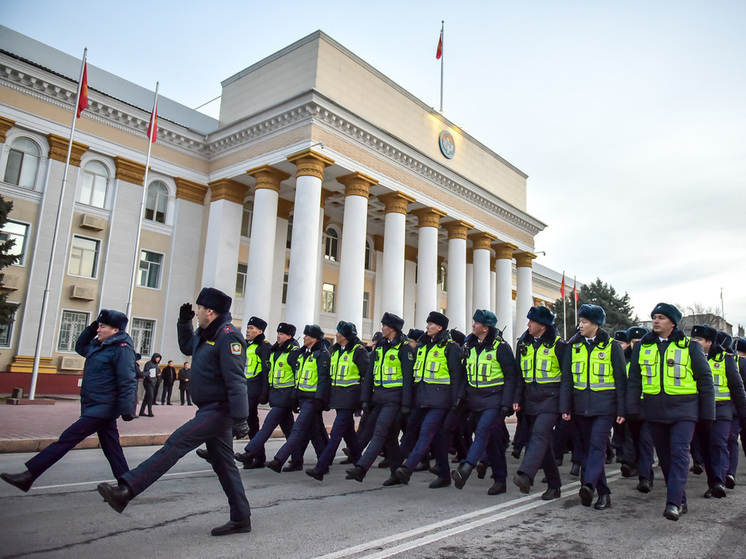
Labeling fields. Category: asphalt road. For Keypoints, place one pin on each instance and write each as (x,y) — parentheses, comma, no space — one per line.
(297,517)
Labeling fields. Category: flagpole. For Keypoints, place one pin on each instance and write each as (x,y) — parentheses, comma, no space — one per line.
(575,295)
(136,259)
(564,307)
(45,296)
(442,59)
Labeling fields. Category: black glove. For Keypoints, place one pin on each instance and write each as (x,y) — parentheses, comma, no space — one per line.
(296,406)
(240,428)
(505,411)
(405,410)
(128,417)
(264,401)
(186,312)
(93,326)
(366,407)
(318,405)
(456,404)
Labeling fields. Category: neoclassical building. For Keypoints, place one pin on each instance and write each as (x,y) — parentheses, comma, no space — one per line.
(323,192)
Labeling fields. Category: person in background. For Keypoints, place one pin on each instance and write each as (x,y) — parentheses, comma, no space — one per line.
(168,376)
(184,384)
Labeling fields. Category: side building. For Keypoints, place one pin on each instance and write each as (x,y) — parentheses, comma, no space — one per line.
(323,192)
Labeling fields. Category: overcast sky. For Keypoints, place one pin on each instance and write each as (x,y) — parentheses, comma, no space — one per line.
(628,116)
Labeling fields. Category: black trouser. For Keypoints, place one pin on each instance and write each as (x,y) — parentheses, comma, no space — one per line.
(166,394)
(148,399)
(185,393)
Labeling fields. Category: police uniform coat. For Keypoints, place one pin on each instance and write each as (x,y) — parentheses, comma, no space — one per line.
(280,397)
(258,386)
(348,397)
(379,394)
(536,398)
(440,396)
(218,372)
(490,397)
(736,406)
(319,353)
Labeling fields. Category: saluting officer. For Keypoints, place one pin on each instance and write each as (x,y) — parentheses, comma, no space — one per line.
(349,361)
(539,354)
(280,398)
(674,378)
(729,398)
(437,381)
(388,385)
(218,385)
(488,390)
(311,393)
(593,389)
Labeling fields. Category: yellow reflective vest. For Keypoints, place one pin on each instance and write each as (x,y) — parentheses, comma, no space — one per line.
(431,365)
(308,376)
(387,371)
(719,378)
(592,370)
(282,374)
(253,361)
(541,364)
(671,373)
(483,369)
(343,370)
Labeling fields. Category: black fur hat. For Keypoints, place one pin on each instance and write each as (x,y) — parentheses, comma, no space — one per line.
(313,330)
(214,299)
(704,331)
(540,314)
(285,328)
(347,329)
(392,321)
(113,318)
(594,313)
(438,318)
(667,310)
(257,323)
(483,316)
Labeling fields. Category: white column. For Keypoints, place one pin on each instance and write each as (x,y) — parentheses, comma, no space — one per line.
(304,250)
(469,285)
(504,306)
(279,261)
(352,253)
(493,284)
(393,251)
(524,299)
(427,263)
(223,235)
(457,306)
(377,311)
(410,289)
(481,247)
(258,299)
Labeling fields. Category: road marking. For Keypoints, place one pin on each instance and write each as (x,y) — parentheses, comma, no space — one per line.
(83,483)
(477,518)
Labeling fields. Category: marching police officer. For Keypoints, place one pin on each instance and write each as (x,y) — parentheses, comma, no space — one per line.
(257,374)
(349,361)
(729,398)
(673,376)
(311,393)
(387,385)
(593,388)
(489,387)
(437,382)
(218,385)
(539,354)
(739,355)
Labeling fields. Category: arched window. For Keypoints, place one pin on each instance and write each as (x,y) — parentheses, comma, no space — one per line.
(330,247)
(156,203)
(23,163)
(95,181)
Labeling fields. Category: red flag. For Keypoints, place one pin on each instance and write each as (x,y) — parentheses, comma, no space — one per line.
(439,52)
(574,289)
(562,286)
(153,126)
(83,97)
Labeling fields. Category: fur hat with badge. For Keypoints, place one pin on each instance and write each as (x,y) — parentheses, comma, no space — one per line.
(287,329)
(258,323)
(214,299)
(593,313)
(669,311)
(704,331)
(392,321)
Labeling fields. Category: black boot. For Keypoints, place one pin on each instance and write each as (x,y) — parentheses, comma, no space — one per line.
(22,481)
(357,473)
(461,474)
(315,474)
(202,453)
(118,497)
(523,482)
(403,474)
(439,482)
(232,527)
(497,488)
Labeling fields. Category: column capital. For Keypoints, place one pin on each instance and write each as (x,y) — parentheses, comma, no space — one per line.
(378,243)
(428,217)
(505,251)
(482,241)
(190,191)
(58,150)
(357,184)
(493,263)
(228,189)
(129,171)
(457,229)
(284,207)
(310,163)
(325,193)
(268,177)
(523,259)
(410,253)
(5,125)
(396,202)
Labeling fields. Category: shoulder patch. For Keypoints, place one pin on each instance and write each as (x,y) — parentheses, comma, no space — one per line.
(124,344)
(228,328)
(236,349)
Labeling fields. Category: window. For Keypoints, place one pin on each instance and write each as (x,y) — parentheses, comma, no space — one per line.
(6,332)
(442,278)
(368,263)
(285,289)
(71,327)
(290,232)
(243,269)
(248,214)
(330,246)
(95,180)
(149,272)
(366,304)
(23,163)
(328,297)
(18,232)
(141,332)
(156,202)
(83,257)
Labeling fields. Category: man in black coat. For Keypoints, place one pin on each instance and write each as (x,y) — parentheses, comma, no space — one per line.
(108,391)
(184,384)
(218,385)
(151,375)
(168,376)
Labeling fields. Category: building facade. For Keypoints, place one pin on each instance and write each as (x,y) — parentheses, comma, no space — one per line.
(323,192)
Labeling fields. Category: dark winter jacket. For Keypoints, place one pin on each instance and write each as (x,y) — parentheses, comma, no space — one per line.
(536,398)
(109,382)
(433,395)
(151,371)
(589,402)
(281,397)
(736,406)
(168,375)
(258,386)
(667,408)
(373,394)
(184,378)
(320,355)
(348,397)
(491,397)
(218,365)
